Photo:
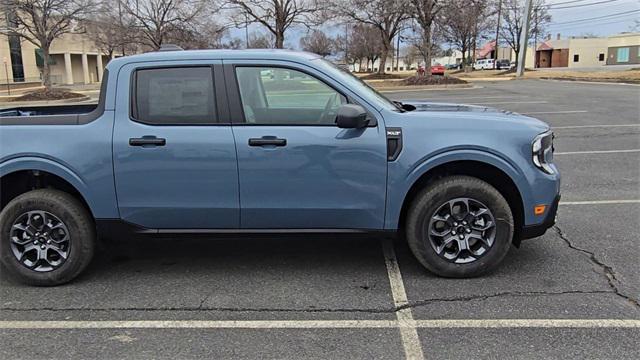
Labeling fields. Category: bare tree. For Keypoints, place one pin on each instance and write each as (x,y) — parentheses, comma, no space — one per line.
(386,16)
(157,19)
(462,22)
(205,34)
(511,26)
(277,16)
(317,42)
(425,13)
(364,45)
(111,29)
(42,21)
(260,41)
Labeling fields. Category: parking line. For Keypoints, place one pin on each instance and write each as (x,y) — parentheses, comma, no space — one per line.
(594,126)
(600,202)
(555,112)
(317,324)
(408,332)
(597,152)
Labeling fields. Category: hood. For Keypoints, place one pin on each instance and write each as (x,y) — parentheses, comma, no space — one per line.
(431,106)
(479,115)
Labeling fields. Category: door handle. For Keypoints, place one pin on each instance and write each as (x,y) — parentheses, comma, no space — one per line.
(267,140)
(147,141)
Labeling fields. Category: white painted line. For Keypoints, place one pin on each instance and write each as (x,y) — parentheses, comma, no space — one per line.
(555,112)
(593,126)
(597,152)
(318,324)
(408,332)
(509,102)
(530,323)
(600,202)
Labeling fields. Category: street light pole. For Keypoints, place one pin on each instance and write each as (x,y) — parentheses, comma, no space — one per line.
(495,63)
(524,38)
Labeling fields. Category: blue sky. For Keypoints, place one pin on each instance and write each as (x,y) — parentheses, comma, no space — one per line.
(568,21)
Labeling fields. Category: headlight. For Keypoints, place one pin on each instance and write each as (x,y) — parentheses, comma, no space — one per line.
(542,151)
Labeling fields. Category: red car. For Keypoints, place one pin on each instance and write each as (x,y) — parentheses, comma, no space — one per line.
(437,69)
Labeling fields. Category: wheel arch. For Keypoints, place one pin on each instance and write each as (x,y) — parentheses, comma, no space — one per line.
(488,172)
(19,176)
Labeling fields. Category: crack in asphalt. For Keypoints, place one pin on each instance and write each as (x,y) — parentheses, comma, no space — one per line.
(389,310)
(607,270)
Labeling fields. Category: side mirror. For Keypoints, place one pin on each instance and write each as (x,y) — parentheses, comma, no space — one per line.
(351,116)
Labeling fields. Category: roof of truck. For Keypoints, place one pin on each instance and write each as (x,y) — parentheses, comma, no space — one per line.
(248,54)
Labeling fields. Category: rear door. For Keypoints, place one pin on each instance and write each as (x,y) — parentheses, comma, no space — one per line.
(297,169)
(173,148)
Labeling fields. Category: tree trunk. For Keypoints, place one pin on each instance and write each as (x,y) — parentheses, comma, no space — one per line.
(426,33)
(46,69)
(280,40)
(386,47)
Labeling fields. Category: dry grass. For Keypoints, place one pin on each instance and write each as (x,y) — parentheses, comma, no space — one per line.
(615,76)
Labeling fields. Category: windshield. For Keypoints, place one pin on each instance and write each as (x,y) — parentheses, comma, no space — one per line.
(359,86)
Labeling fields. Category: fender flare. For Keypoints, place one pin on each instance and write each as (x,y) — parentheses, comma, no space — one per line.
(452,155)
(26,163)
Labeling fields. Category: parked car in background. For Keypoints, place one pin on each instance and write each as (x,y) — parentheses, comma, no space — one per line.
(452,66)
(503,64)
(483,64)
(219,142)
(437,69)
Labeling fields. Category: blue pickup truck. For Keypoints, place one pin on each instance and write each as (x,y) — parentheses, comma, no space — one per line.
(245,142)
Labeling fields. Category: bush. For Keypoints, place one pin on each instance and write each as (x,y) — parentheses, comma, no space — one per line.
(376,76)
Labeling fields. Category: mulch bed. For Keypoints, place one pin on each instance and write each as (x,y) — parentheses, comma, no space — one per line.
(44,94)
(376,76)
(432,80)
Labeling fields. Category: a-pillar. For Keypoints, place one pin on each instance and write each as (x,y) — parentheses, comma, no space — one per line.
(67,69)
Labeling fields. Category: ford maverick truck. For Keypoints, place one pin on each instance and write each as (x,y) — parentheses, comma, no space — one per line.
(217,142)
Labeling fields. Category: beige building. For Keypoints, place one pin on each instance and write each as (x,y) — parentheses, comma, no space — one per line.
(74,60)
(620,49)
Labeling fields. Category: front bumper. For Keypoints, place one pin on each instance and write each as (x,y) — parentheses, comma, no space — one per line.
(532,231)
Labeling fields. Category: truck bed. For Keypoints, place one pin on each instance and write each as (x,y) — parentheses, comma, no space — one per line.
(45,115)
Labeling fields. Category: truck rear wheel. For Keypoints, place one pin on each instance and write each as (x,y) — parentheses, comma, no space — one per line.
(47,237)
(459,226)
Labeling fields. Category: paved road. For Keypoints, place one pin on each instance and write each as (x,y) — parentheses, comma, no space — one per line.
(338,298)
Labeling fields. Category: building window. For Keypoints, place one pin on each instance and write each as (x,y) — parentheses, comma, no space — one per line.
(623,55)
(576,58)
(601,57)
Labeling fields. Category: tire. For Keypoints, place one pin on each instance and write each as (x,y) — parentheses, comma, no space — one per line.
(61,207)
(434,198)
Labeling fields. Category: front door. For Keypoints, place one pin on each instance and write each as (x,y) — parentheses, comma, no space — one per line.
(297,169)
(175,163)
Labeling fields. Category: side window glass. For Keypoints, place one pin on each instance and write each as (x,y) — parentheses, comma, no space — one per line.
(174,96)
(280,96)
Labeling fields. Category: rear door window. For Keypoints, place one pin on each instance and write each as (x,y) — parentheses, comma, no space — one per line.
(174,96)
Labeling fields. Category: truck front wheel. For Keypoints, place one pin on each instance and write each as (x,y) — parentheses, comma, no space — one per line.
(47,237)
(459,226)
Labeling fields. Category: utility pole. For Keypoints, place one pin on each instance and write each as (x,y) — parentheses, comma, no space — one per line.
(524,38)
(495,63)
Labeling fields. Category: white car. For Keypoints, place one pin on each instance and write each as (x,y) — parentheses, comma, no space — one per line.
(483,64)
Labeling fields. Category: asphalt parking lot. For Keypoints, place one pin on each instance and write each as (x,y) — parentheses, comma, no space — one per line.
(572,293)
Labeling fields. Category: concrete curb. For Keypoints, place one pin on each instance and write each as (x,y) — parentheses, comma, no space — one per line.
(423,87)
(10,104)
